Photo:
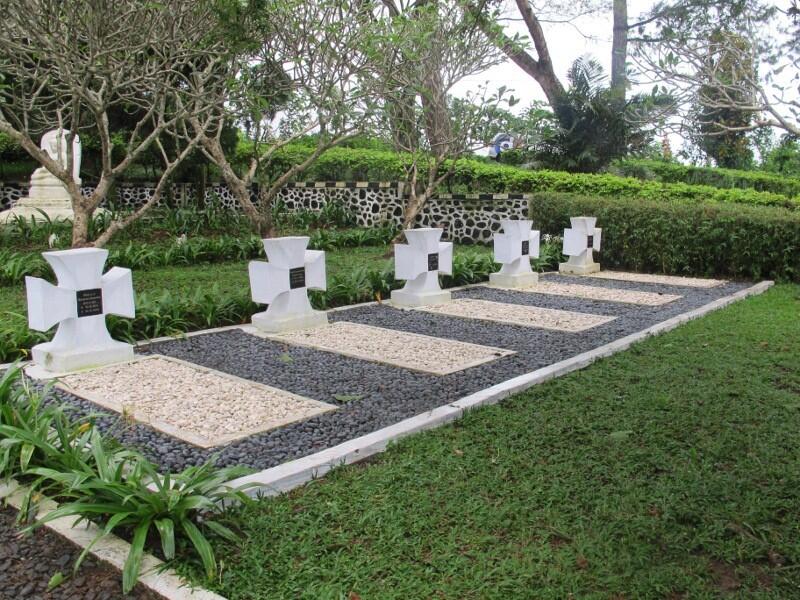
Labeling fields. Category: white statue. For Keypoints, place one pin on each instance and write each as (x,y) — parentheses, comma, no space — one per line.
(580,242)
(55,144)
(514,249)
(47,193)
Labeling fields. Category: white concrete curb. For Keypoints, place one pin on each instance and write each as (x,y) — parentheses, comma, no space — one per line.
(290,475)
(112,550)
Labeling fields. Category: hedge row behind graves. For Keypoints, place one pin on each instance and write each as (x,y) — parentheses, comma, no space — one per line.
(683,238)
(474,175)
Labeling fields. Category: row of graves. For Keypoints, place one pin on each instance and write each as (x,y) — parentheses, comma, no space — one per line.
(296,381)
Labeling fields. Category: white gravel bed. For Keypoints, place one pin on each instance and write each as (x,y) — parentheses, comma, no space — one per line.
(693,282)
(398,348)
(519,314)
(589,292)
(198,405)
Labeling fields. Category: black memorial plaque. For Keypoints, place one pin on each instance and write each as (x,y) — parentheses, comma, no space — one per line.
(590,241)
(526,248)
(433,262)
(90,302)
(297,278)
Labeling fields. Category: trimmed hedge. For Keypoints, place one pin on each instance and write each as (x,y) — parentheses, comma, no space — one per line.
(683,238)
(667,172)
(474,175)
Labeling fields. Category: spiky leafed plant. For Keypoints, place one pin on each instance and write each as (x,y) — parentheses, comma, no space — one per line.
(595,125)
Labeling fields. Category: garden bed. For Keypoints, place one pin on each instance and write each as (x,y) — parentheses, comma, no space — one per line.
(27,564)
(370,395)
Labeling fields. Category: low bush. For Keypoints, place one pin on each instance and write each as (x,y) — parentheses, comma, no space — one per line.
(474,175)
(668,172)
(682,237)
(172,314)
(14,266)
(97,480)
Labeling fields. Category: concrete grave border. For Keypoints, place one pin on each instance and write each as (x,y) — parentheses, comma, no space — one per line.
(287,476)
(111,549)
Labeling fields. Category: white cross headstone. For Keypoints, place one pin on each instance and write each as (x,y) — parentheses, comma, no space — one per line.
(283,283)
(514,248)
(419,262)
(579,242)
(79,304)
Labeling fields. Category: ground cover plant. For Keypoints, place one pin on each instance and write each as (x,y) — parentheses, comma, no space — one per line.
(95,479)
(666,471)
(175,299)
(674,172)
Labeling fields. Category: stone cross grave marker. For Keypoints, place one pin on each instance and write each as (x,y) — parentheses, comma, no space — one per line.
(514,248)
(419,262)
(283,283)
(579,242)
(79,304)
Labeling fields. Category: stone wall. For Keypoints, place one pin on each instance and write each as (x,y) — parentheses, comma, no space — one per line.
(465,217)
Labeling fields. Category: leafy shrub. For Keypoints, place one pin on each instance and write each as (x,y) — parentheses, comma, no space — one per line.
(14,266)
(668,172)
(682,237)
(103,482)
(472,175)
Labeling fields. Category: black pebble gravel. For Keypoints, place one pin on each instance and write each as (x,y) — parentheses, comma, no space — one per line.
(28,562)
(388,394)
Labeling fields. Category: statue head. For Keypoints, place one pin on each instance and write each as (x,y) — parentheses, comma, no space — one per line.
(54,143)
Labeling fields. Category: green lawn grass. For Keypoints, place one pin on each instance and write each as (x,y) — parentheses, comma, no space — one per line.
(227,276)
(671,470)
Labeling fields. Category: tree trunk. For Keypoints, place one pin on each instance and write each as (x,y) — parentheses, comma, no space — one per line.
(619,49)
(80,225)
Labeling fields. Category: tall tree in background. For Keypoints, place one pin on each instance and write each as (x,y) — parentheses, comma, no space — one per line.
(722,131)
(307,62)
(72,64)
(673,49)
(441,44)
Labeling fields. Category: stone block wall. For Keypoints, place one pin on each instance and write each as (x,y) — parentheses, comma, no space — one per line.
(465,217)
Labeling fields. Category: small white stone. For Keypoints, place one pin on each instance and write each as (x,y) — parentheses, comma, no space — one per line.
(198,405)
(590,292)
(390,346)
(660,279)
(520,314)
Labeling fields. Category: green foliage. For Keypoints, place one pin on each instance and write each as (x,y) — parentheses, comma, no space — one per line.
(97,480)
(473,175)
(719,129)
(684,238)
(592,123)
(669,470)
(672,172)
(15,266)
(785,158)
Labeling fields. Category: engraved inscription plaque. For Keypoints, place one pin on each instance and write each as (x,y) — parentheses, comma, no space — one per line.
(297,278)
(433,262)
(526,248)
(90,302)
